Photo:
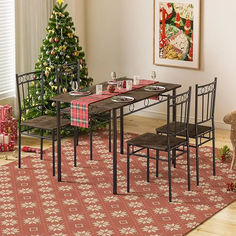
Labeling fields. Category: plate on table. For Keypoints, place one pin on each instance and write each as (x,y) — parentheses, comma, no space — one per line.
(122,99)
(112,82)
(80,93)
(153,88)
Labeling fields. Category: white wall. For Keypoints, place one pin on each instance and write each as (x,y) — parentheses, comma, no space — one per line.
(119,38)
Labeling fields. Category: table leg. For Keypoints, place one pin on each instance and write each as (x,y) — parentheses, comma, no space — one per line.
(121,131)
(59,141)
(114,152)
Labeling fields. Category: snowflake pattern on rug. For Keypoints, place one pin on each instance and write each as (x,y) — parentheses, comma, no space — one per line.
(32,202)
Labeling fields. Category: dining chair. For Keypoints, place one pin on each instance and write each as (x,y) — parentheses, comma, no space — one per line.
(203,128)
(30,94)
(165,142)
(68,80)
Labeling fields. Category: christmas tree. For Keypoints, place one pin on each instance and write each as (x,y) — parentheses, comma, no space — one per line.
(60,47)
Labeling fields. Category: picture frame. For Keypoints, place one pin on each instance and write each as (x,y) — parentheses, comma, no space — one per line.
(179,44)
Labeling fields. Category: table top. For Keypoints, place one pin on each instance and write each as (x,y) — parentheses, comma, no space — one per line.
(107,105)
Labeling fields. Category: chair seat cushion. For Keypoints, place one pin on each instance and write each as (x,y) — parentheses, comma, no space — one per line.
(155,141)
(45,122)
(176,127)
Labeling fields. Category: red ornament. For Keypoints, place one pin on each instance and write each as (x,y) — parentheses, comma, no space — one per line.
(56,40)
(52,52)
(29,149)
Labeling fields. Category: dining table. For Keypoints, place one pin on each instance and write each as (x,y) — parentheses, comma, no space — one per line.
(142,99)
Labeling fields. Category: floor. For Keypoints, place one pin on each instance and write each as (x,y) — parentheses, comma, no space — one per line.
(223,223)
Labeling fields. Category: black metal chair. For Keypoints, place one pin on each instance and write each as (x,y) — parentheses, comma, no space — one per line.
(30,90)
(200,130)
(165,142)
(66,74)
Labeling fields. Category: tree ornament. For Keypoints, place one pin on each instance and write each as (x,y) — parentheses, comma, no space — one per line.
(37,85)
(60,2)
(47,52)
(70,35)
(76,53)
(56,40)
(47,73)
(46,112)
(39,97)
(64,90)
(67,56)
(53,104)
(61,53)
(45,63)
(37,92)
(51,40)
(51,83)
(52,52)
(57,57)
(68,27)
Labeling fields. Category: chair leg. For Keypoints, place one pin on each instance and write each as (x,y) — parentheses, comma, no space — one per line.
(41,145)
(169,176)
(148,161)
(157,163)
(214,152)
(197,162)
(188,166)
(128,166)
(109,132)
(75,145)
(19,148)
(53,154)
(77,137)
(91,141)
(174,158)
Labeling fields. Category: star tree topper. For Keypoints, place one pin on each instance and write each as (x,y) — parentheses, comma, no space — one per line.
(60,2)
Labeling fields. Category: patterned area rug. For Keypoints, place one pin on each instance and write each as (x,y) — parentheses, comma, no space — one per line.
(32,202)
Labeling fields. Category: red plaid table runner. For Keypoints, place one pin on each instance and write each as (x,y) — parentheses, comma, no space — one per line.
(80,107)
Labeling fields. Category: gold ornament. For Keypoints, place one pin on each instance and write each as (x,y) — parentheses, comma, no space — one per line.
(47,73)
(70,35)
(64,90)
(53,104)
(60,2)
(76,53)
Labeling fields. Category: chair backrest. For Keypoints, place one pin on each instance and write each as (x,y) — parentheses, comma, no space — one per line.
(66,74)
(30,93)
(205,96)
(179,105)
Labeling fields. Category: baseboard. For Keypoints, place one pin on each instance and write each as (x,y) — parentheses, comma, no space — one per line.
(162,116)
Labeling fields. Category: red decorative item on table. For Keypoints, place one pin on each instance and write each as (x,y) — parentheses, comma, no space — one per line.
(111,88)
(8,129)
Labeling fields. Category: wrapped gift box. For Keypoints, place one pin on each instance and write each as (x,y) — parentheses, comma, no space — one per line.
(8,129)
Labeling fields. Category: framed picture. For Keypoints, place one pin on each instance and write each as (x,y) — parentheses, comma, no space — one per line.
(176,33)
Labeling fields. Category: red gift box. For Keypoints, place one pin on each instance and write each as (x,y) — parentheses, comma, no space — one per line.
(5,112)
(3,127)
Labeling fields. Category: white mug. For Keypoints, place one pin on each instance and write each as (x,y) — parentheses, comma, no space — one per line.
(136,79)
(99,89)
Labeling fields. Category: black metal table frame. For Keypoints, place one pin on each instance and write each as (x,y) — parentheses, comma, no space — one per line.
(114,120)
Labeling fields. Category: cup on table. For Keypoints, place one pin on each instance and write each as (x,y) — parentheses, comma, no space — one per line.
(99,89)
(129,84)
(119,85)
(136,79)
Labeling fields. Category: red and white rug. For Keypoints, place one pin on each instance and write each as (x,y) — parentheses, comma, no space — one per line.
(32,202)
